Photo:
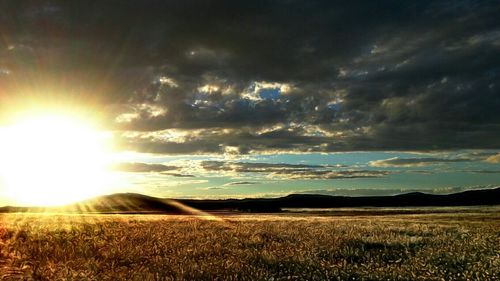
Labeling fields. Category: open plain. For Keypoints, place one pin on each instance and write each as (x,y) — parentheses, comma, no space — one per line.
(351,244)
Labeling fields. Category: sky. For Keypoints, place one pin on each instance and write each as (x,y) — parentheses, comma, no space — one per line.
(218,99)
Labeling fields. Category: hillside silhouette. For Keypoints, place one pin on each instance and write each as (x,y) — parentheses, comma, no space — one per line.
(115,203)
(138,203)
(414,199)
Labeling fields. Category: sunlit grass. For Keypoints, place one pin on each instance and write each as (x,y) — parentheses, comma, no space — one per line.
(461,246)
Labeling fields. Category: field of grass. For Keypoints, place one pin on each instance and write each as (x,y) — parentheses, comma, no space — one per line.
(462,245)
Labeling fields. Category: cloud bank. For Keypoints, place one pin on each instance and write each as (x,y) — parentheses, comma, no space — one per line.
(493,159)
(262,76)
(290,171)
(414,162)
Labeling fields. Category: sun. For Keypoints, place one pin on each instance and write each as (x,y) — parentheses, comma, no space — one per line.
(52,159)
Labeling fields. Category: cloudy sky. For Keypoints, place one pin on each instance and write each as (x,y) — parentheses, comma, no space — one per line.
(265,98)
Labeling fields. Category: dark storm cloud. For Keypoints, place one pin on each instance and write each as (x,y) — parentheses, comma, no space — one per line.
(414,162)
(230,141)
(290,171)
(301,76)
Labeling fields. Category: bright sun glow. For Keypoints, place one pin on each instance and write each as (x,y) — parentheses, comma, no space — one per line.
(52,160)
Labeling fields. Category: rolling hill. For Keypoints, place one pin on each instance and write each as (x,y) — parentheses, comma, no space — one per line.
(115,203)
(142,204)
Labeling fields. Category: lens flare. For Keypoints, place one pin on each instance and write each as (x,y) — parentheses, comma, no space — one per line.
(49,159)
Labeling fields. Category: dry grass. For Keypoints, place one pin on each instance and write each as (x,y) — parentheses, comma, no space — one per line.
(463,246)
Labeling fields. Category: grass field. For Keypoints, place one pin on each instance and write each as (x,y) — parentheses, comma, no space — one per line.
(454,245)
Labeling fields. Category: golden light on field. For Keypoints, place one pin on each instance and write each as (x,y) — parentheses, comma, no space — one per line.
(52,159)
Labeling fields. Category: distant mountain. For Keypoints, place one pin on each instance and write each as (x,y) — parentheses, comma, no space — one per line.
(415,199)
(138,203)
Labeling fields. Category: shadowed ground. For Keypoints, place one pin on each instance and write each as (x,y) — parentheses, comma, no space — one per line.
(431,246)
